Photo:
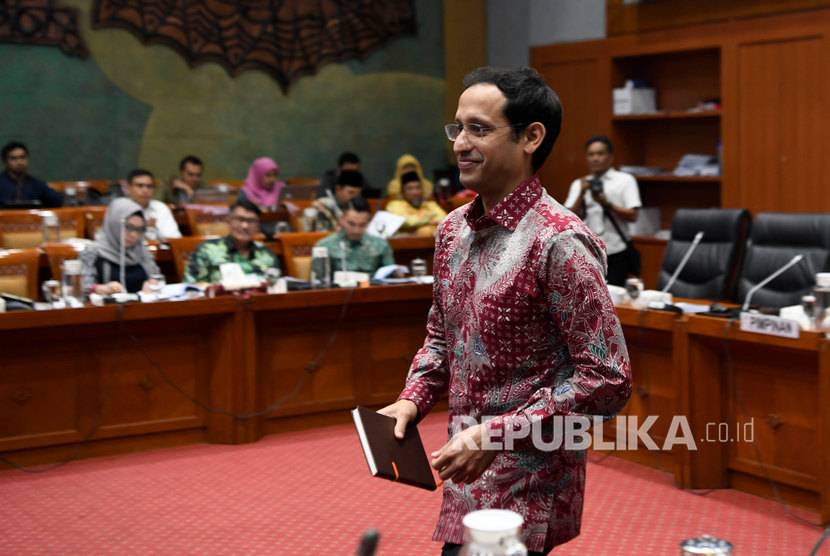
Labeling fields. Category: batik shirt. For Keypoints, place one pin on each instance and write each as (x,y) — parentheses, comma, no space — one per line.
(204,262)
(365,255)
(521,328)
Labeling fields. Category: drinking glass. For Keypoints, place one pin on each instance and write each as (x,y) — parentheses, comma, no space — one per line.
(52,290)
(634,287)
(156,283)
(419,269)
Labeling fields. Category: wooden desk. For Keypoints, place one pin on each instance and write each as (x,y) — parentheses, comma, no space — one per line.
(58,365)
(783,385)
(683,366)
(366,364)
(235,355)
(656,344)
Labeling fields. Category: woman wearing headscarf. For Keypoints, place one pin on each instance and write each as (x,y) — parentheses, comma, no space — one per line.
(100,261)
(408,163)
(261,186)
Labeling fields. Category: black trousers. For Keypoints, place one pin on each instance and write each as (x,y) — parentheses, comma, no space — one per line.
(451,549)
(617,268)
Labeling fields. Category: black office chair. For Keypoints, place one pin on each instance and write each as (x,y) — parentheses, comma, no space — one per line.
(775,239)
(710,271)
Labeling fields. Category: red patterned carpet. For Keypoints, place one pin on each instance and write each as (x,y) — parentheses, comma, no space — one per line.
(310,493)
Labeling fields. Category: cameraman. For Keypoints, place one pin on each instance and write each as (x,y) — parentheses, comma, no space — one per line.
(606,193)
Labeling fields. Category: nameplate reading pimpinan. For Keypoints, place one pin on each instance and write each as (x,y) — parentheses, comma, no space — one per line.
(770,325)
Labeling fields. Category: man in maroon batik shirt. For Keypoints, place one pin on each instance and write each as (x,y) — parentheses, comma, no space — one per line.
(522,328)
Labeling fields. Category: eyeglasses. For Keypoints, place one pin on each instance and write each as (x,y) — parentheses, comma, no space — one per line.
(131,228)
(474,131)
(243,220)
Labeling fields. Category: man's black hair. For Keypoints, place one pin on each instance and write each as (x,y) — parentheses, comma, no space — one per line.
(529,100)
(190,159)
(12,146)
(348,158)
(247,205)
(357,204)
(139,172)
(408,177)
(350,178)
(600,139)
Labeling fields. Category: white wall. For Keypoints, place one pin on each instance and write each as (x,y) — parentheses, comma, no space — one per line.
(513,26)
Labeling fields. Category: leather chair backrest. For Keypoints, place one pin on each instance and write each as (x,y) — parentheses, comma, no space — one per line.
(710,271)
(776,238)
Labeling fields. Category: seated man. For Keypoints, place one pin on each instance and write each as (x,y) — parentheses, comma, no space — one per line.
(180,188)
(238,247)
(347,161)
(363,252)
(17,185)
(161,224)
(330,207)
(422,217)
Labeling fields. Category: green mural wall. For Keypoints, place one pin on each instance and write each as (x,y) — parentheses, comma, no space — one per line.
(133,105)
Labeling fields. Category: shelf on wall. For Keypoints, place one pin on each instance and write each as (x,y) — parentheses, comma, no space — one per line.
(668,115)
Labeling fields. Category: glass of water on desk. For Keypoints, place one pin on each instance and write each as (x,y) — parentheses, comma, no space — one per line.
(156,283)
(419,269)
(634,287)
(808,303)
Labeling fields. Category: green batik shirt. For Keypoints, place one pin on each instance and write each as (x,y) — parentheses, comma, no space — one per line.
(366,255)
(204,262)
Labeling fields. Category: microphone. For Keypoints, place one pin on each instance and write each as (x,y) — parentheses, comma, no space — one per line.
(769,279)
(369,543)
(686,256)
(343,256)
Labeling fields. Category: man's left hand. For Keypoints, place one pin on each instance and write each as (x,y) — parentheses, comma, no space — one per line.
(462,459)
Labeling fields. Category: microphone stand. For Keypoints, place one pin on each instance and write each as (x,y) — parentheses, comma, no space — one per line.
(683,261)
(343,259)
(767,280)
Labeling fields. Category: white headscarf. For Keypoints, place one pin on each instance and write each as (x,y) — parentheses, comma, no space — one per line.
(107,244)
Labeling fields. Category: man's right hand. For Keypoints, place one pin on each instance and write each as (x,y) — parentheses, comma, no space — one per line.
(404,412)
(585,185)
(179,184)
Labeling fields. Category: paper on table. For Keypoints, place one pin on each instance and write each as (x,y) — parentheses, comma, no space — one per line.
(693,307)
(386,271)
(384,224)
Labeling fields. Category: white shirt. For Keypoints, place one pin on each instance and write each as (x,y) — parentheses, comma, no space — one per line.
(165,226)
(620,189)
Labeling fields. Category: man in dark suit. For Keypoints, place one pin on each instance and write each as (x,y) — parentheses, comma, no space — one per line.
(17,185)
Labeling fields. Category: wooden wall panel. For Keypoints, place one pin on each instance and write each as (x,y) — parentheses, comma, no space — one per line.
(580,84)
(781,119)
(649,16)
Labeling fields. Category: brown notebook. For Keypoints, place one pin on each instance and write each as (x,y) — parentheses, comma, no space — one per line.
(404,461)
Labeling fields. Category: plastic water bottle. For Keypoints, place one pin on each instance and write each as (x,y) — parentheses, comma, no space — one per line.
(320,268)
(51,227)
(822,294)
(73,295)
(309,219)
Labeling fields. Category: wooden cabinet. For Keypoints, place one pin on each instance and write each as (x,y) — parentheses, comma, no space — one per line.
(771,76)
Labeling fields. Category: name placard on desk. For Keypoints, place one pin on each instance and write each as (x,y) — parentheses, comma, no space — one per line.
(770,325)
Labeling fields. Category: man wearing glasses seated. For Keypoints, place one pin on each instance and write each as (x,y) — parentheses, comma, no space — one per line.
(351,248)
(238,247)
(161,224)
